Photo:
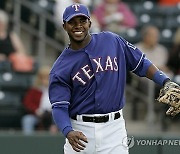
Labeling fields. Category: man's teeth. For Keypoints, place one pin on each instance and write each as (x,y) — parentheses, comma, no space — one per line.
(78,33)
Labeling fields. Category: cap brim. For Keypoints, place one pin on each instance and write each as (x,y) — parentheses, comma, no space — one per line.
(74,15)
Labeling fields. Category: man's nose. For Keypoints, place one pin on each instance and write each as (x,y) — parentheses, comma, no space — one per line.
(78,24)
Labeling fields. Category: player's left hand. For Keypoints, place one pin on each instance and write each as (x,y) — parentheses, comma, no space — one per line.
(75,138)
(170,94)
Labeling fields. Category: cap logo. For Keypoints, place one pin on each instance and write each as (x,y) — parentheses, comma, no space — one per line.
(76,6)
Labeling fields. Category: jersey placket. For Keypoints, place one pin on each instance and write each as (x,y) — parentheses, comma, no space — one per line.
(97,76)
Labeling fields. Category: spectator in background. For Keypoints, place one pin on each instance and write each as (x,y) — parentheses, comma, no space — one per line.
(157,53)
(174,56)
(9,40)
(115,16)
(37,105)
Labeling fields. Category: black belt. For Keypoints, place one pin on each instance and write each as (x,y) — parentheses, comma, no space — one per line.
(98,119)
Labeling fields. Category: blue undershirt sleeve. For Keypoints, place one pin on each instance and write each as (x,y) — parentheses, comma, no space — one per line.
(160,78)
(62,120)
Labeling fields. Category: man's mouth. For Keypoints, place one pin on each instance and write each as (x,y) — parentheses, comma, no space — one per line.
(78,33)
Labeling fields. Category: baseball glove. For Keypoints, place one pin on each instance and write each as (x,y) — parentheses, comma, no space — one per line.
(170,94)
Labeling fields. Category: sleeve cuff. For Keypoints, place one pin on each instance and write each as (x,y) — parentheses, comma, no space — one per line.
(160,78)
(67,130)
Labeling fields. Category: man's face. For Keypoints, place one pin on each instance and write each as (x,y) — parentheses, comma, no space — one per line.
(152,36)
(77,28)
(3,26)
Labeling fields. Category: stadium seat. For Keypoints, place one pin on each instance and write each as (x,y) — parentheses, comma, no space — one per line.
(145,7)
(11,109)
(14,81)
(150,13)
(166,37)
(10,118)
(132,35)
(10,99)
(146,18)
(5,66)
(173,22)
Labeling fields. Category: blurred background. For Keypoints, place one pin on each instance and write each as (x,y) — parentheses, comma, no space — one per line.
(32,37)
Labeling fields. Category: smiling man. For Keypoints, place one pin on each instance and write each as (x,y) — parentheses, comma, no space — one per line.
(87,84)
(73,26)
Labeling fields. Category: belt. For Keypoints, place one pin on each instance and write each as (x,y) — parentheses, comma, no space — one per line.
(98,119)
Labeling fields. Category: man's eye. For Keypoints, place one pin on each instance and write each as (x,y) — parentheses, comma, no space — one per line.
(70,22)
(83,21)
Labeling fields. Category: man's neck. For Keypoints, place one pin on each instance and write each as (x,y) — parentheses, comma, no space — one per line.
(79,45)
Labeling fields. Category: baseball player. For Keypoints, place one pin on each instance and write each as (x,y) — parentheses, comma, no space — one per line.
(87,84)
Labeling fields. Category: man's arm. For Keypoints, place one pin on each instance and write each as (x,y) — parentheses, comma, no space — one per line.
(59,95)
(151,71)
(156,75)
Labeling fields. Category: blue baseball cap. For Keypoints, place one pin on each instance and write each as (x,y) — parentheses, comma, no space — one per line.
(75,10)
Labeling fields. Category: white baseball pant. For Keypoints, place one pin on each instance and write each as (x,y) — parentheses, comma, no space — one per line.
(103,138)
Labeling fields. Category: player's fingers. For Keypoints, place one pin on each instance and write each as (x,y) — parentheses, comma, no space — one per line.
(175,111)
(76,149)
(80,143)
(170,110)
(82,137)
(76,146)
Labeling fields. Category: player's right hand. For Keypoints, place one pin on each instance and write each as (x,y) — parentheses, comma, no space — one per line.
(75,138)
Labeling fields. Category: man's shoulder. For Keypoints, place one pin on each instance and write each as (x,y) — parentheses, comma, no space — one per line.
(104,36)
(104,33)
(58,64)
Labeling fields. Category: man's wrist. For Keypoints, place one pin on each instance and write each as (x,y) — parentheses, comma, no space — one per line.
(67,130)
(165,81)
(160,78)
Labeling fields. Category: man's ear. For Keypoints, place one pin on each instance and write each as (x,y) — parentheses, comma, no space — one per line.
(90,23)
(64,26)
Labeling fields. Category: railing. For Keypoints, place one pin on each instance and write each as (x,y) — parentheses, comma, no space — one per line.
(43,39)
(148,98)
